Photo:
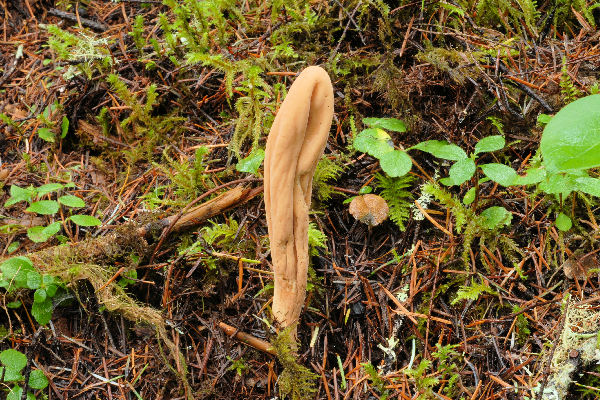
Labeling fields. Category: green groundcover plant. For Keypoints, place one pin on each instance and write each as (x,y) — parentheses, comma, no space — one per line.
(12,364)
(569,149)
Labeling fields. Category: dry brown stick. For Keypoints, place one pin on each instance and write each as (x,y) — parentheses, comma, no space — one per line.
(248,339)
(196,215)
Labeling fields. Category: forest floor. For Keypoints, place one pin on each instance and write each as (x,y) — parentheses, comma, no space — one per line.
(117,118)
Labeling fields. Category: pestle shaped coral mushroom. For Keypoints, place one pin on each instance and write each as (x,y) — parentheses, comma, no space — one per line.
(295,144)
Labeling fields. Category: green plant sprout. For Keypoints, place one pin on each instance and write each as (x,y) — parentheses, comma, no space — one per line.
(13,362)
(19,273)
(35,197)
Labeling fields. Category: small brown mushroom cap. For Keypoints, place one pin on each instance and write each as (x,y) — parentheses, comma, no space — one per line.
(369,209)
(295,144)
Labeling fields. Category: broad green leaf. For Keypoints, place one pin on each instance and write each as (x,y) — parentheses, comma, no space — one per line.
(48,280)
(396,163)
(588,185)
(40,295)
(391,124)
(40,234)
(47,135)
(37,380)
(571,140)
(495,217)
(85,220)
(14,270)
(64,127)
(14,304)
(16,393)
(251,163)
(461,171)
(563,222)
(490,143)
(441,149)
(365,190)
(48,188)
(44,207)
(531,177)
(375,142)
(469,196)
(34,280)
(71,201)
(51,290)
(559,184)
(13,359)
(500,173)
(13,247)
(18,194)
(42,311)
(11,375)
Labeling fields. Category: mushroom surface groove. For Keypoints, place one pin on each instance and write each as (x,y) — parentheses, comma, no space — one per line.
(295,144)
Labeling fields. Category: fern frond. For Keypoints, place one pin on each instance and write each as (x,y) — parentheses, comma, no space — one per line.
(399,200)
(327,170)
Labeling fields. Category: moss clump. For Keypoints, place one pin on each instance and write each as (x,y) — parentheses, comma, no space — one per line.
(296,381)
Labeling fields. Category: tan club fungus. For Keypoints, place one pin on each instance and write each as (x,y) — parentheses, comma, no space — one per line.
(295,145)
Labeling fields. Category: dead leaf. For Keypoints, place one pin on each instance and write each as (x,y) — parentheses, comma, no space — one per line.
(578,267)
(369,209)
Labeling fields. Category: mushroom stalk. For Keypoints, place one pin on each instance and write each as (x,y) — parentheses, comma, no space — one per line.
(294,146)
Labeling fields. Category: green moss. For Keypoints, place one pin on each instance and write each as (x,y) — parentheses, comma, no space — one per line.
(295,381)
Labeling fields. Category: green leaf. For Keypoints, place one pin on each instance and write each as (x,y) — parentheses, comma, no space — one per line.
(251,163)
(396,163)
(71,201)
(48,188)
(490,143)
(495,217)
(375,142)
(51,290)
(16,393)
(365,190)
(441,149)
(571,140)
(13,247)
(14,304)
(42,311)
(44,207)
(40,234)
(588,185)
(559,184)
(563,222)
(64,127)
(15,270)
(48,280)
(34,279)
(500,173)
(391,124)
(37,380)
(461,171)
(13,359)
(47,135)
(543,119)
(85,220)
(11,375)
(531,177)
(469,196)
(18,194)
(40,295)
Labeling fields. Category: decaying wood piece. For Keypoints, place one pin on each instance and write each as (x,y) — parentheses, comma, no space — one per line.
(294,146)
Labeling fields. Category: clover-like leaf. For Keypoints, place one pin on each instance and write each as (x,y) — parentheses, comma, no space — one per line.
(391,124)
(500,173)
(396,163)
(373,141)
(441,149)
(490,143)
(37,380)
(42,311)
(47,135)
